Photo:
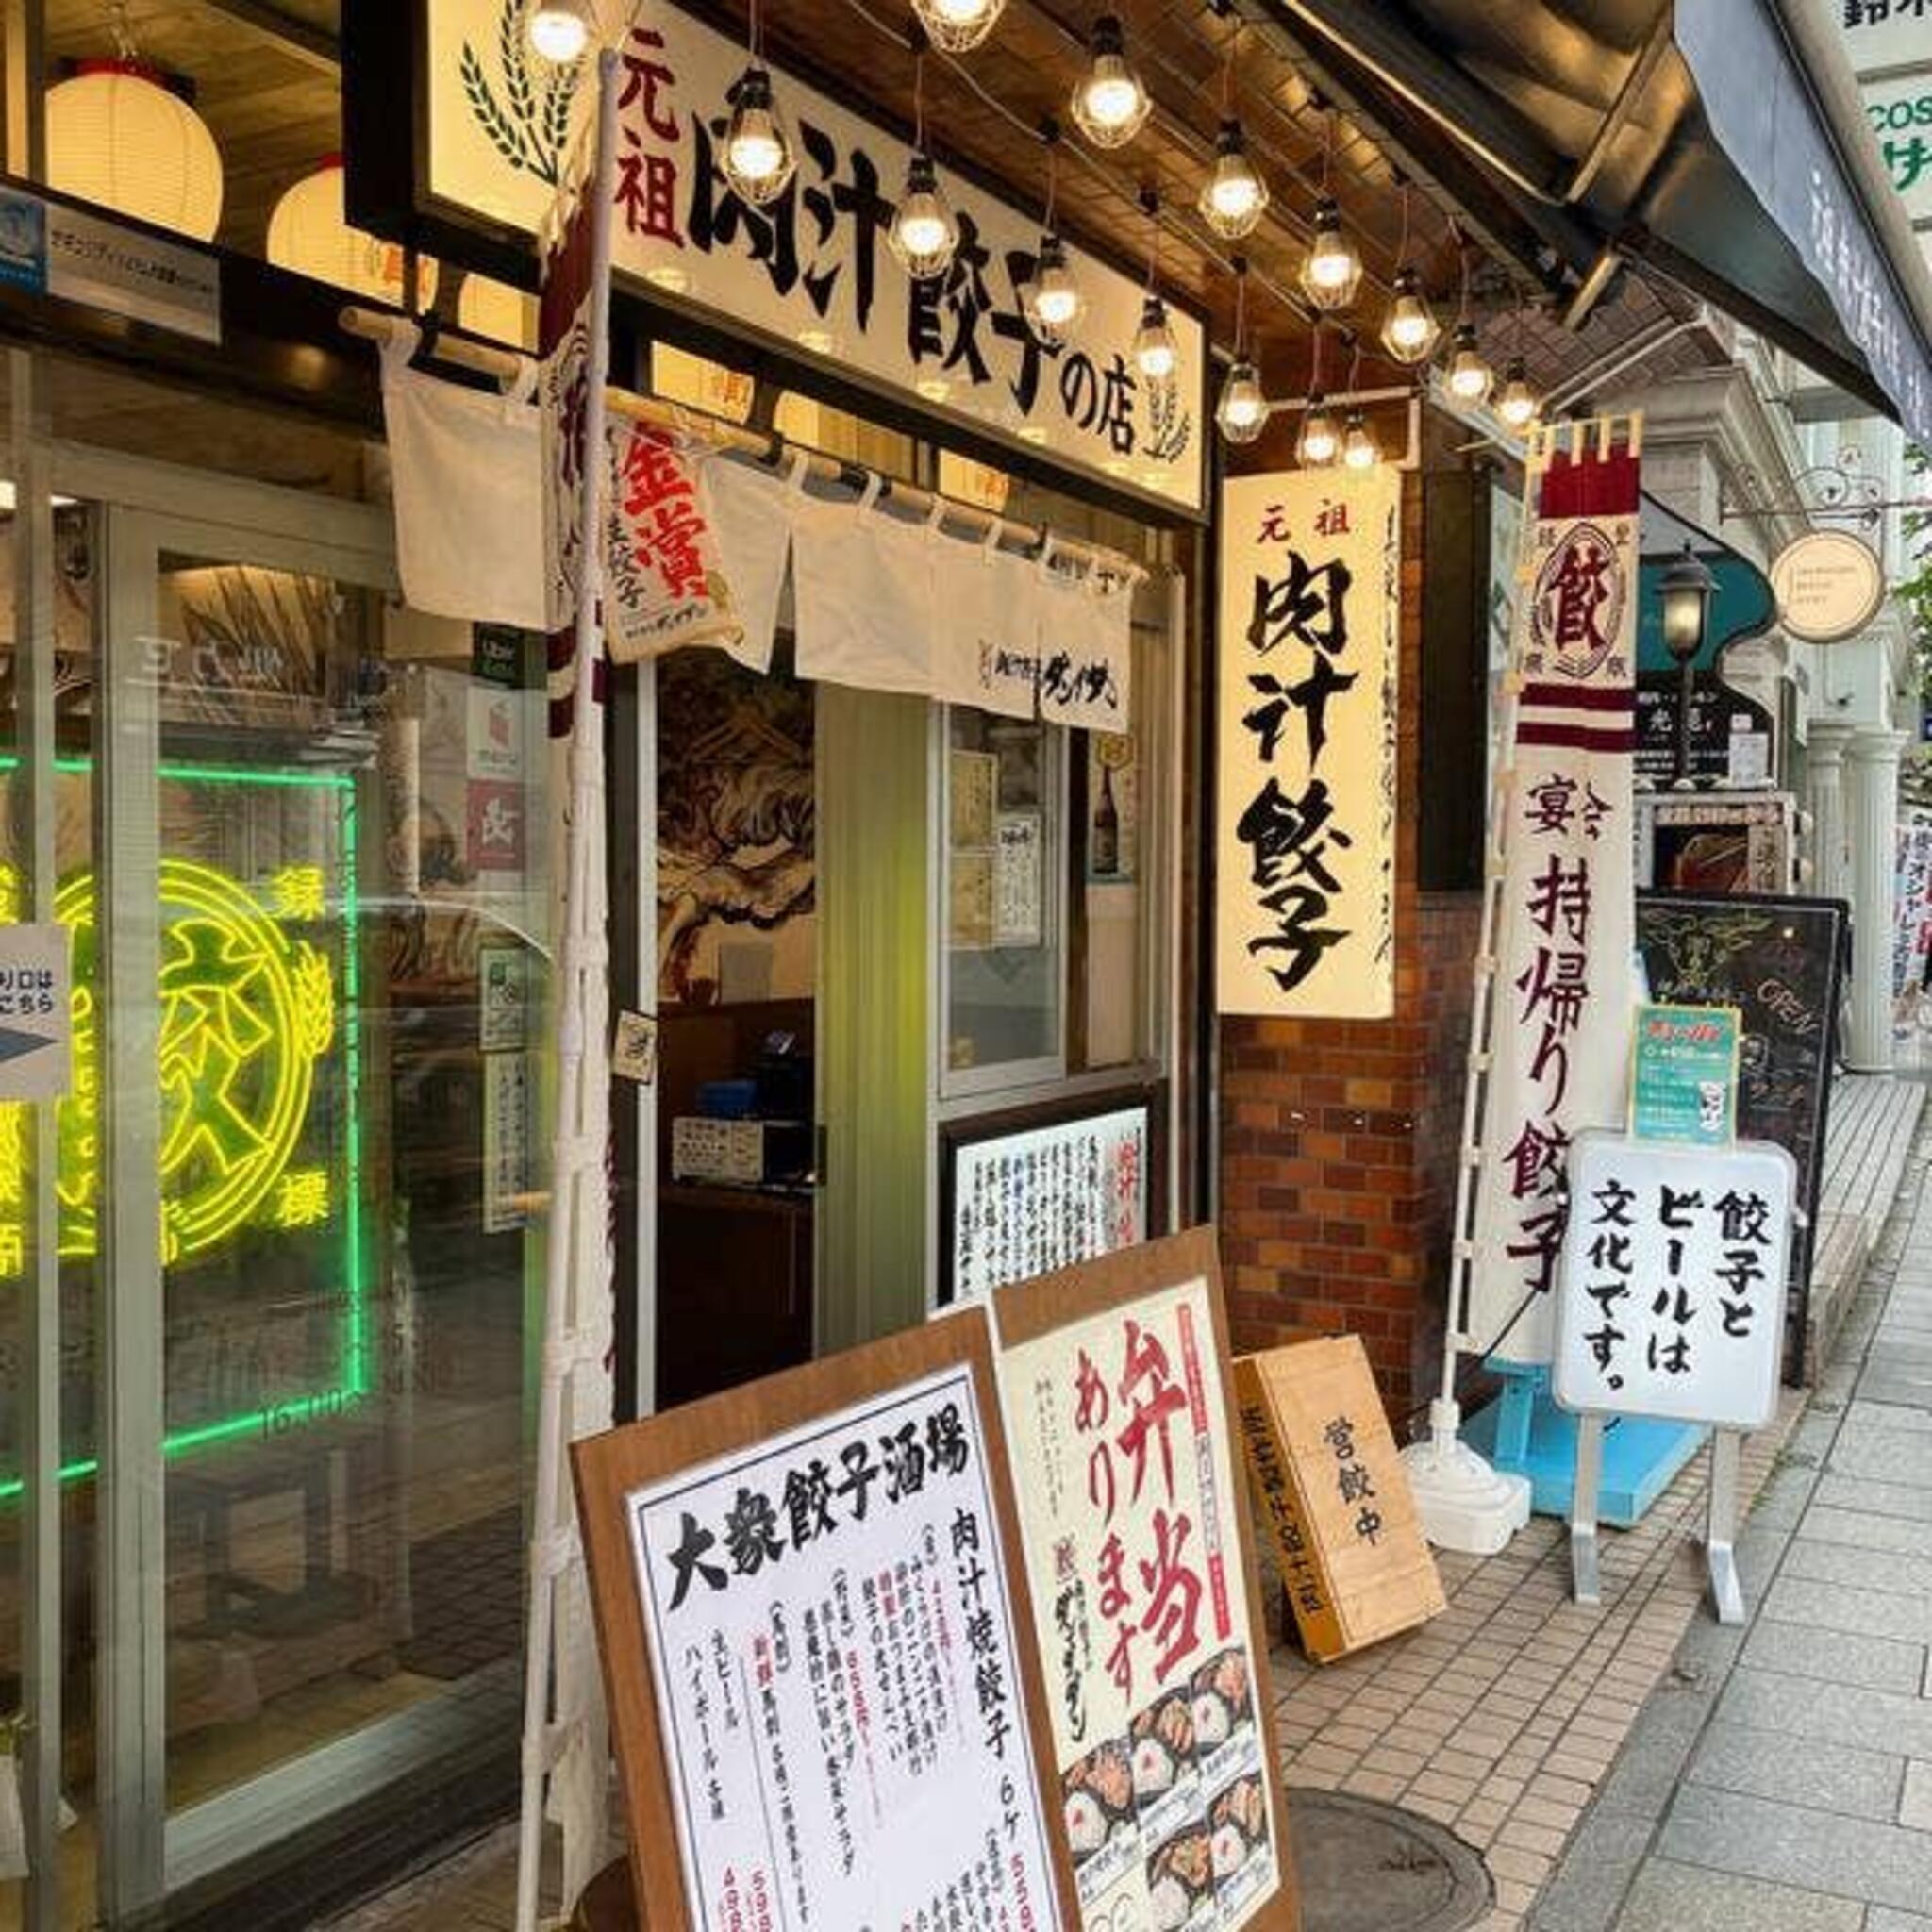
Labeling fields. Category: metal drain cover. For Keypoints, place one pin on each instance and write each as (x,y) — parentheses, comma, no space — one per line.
(1367,1867)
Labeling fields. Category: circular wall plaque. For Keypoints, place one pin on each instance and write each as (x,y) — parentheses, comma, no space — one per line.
(1828,585)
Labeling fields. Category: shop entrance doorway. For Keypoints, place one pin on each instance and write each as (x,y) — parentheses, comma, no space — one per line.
(273,1249)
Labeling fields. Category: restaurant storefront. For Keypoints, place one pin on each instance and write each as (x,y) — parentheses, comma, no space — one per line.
(923,970)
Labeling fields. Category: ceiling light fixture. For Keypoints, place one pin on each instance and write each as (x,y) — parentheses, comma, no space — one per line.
(1157,355)
(1051,298)
(1470,377)
(1319,442)
(1110,102)
(758,162)
(1359,448)
(958,26)
(1242,411)
(1409,330)
(1234,198)
(924,231)
(119,135)
(1518,403)
(561,31)
(1332,269)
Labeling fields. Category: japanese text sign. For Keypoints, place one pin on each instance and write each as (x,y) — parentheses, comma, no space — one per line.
(1684,1075)
(664,585)
(813,272)
(1881,35)
(1310,573)
(1329,1485)
(1134,1525)
(1029,1203)
(36,1014)
(1561,1009)
(1672,1280)
(839,1724)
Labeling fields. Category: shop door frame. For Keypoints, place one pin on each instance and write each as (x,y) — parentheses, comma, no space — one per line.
(142,511)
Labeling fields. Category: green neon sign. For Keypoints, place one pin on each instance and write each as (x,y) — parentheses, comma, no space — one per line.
(248,1012)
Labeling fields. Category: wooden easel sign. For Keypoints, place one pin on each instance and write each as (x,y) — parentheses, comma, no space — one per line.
(1140,1556)
(816,1636)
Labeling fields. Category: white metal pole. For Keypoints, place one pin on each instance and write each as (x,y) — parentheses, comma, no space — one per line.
(582,957)
(1462,1502)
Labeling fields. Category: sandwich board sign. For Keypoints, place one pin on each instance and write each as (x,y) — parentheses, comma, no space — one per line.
(1329,1483)
(1670,1297)
(817,1640)
(1140,1559)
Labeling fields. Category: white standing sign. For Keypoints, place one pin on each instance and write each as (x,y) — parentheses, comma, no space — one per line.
(837,1678)
(813,273)
(1310,577)
(1027,1203)
(36,1014)
(1671,1288)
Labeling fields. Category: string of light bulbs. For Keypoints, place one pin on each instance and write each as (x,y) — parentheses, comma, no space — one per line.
(1110,103)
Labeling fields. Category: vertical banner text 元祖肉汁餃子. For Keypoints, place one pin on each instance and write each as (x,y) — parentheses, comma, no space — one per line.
(1310,588)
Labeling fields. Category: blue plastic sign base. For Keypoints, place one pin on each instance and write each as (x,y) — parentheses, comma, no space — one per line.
(1525,1432)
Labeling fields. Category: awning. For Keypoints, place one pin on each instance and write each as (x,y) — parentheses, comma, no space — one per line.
(1720,142)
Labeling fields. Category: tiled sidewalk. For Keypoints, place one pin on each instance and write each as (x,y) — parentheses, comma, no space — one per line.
(1502,1718)
(1784,1783)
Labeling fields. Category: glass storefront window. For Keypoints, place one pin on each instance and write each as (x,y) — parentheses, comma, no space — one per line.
(1004,856)
(299,846)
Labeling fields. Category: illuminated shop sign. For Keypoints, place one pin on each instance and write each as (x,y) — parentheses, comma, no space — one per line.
(258,1071)
(812,272)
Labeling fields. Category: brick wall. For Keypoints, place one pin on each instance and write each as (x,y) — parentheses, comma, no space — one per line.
(1338,1139)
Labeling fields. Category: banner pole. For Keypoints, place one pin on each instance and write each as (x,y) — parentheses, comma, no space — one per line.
(576,1227)
(1464,1503)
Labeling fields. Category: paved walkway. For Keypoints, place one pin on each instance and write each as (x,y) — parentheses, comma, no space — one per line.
(1780,1780)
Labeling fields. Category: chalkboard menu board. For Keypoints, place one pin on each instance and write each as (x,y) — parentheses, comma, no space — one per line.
(1777,960)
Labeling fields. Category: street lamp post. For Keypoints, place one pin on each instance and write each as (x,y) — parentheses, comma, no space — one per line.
(1687,587)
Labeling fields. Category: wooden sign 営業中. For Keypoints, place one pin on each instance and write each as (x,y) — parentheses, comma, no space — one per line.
(1332,1489)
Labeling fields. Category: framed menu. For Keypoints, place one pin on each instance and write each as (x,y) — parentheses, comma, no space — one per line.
(1139,1553)
(816,1637)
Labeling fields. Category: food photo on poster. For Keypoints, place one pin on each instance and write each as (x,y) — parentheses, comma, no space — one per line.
(1137,1545)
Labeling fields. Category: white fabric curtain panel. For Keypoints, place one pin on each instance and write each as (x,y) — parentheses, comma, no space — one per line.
(467,471)
(1086,651)
(750,513)
(987,610)
(862,584)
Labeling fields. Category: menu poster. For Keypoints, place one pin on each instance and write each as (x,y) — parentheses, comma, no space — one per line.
(1138,1548)
(814,1633)
(1019,881)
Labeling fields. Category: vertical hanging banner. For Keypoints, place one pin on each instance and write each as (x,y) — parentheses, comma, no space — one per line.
(1310,586)
(1116,1388)
(1560,1027)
